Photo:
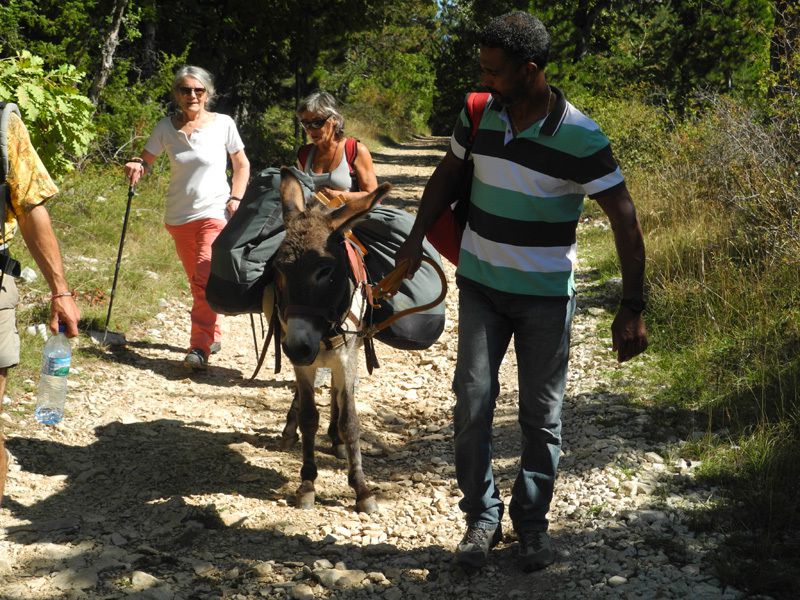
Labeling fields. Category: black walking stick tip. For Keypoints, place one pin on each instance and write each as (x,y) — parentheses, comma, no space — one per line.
(116,338)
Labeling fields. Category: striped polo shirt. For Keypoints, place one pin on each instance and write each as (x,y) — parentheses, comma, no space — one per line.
(527,197)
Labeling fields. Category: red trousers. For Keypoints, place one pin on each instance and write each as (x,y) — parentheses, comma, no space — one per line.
(193,243)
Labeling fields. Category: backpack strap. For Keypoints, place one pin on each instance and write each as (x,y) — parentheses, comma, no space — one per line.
(351,152)
(302,155)
(6,108)
(476,104)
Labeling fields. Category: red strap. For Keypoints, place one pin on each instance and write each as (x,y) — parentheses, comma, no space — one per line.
(350,152)
(356,261)
(302,155)
(476,103)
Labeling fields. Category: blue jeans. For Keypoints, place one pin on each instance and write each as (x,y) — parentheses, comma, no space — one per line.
(541,329)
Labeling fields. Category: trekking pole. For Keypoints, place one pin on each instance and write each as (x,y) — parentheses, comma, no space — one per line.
(119,258)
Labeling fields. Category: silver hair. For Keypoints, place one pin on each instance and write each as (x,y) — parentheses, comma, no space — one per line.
(323,104)
(201,75)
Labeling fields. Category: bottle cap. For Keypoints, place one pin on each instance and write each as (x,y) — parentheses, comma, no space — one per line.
(62,328)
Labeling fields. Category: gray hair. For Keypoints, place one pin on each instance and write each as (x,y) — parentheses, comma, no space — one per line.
(323,104)
(198,73)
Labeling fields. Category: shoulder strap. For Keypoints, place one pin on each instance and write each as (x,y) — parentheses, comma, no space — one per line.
(476,103)
(6,108)
(302,155)
(351,152)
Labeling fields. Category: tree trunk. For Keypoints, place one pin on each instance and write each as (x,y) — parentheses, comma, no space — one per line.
(107,52)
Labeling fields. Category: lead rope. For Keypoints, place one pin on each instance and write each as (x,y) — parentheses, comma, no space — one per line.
(274,329)
(388,287)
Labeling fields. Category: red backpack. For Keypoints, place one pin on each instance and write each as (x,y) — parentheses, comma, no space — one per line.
(350,153)
(446,232)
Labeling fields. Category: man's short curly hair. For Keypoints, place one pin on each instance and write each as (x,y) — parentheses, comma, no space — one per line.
(522,36)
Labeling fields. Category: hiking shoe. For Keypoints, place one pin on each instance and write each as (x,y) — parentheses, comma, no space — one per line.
(535,550)
(215,347)
(473,549)
(196,360)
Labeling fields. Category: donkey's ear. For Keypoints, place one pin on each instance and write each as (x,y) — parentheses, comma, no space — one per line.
(292,198)
(349,214)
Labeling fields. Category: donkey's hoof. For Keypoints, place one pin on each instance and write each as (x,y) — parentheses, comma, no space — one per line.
(288,441)
(339,451)
(304,496)
(367,505)
(305,500)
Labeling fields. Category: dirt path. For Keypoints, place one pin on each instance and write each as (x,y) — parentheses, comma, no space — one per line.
(161,486)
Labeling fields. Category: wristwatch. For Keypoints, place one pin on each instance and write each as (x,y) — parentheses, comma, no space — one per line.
(636,305)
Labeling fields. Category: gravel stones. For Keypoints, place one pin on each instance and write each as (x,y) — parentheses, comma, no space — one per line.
(158,485)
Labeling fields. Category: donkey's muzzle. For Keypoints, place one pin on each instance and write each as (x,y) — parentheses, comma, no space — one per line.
(302,340)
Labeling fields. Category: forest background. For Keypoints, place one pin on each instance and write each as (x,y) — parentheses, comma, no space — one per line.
(700,99)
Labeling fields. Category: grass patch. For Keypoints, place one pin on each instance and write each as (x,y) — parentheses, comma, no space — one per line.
(87,217)
(720,208)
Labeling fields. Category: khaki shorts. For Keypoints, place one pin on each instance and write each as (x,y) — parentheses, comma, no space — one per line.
(9,337)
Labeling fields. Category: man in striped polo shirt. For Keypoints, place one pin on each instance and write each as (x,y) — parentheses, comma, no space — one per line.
(535,158)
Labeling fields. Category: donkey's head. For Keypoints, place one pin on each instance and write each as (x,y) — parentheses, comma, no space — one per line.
(312,272)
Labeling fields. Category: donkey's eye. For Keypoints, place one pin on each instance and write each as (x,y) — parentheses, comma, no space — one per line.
(323,274)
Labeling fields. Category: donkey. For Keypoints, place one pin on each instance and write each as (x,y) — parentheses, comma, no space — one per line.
(320,307)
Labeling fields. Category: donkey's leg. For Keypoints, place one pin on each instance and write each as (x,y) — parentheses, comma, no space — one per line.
(308,416)
(337,444)
(289,436)
(350,431)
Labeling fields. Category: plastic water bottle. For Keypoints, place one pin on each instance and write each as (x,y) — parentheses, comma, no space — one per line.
(53,379)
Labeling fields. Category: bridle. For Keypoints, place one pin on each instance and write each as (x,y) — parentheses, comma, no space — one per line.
(337,314)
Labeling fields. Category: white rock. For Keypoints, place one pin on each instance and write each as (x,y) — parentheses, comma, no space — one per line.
(28,275)
(653,457)
(302,592)
(142,581)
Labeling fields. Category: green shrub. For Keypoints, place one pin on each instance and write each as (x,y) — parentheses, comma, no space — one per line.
(57,116)
(635,128)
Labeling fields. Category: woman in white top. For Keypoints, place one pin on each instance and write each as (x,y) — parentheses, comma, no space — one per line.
(199,199)
(325,158)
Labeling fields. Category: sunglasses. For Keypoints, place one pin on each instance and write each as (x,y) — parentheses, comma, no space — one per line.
(188,90)
(315,124)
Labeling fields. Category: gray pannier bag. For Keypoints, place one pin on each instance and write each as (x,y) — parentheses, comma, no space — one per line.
(382,232)
(242,253)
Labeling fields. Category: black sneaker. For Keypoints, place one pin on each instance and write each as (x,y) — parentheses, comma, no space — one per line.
(473,549)
(535,550)
(215,347)
(196,360)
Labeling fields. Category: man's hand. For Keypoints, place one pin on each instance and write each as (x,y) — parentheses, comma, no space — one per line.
(411,252)
(628,334)
(63,309)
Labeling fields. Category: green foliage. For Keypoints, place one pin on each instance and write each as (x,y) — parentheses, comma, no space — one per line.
(670,48)
(129,108)
(386,75)
(720,212)
(394,103)
(274,144)
(58,118)
(635,127)
(62,31)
